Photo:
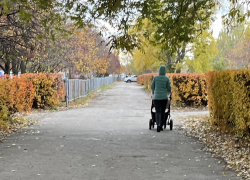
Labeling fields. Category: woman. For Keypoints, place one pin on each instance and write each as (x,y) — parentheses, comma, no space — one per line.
(161,88)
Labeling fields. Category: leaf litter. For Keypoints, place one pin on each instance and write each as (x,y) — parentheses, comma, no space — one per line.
(233,150)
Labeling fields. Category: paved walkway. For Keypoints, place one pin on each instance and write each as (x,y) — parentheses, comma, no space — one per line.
(107,140)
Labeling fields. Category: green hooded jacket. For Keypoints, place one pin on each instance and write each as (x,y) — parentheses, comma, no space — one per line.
(161,85)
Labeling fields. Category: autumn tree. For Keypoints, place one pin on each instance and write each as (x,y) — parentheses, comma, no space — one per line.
(204,52)
(15,37)
(49,55)
(81,51)
(147,60)
(225,42)
(174,20)
(89,54)
(238,57)
(150,55)
(123,69)
(107,62)
(22,25)
(114,65)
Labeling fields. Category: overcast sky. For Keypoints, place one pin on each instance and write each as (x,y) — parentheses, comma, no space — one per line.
(217,25)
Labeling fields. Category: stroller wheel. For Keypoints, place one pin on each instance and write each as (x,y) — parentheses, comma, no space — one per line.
(150,123)
(171,124)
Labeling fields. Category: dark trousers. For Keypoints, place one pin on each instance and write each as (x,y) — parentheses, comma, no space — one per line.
(160,107)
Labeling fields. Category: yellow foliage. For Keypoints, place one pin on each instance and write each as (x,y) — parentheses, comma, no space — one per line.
(123,69)
(187,89)
(86,55)
(229,99)
(48,89)
(205,51)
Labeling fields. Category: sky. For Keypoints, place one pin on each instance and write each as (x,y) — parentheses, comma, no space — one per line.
(217,26)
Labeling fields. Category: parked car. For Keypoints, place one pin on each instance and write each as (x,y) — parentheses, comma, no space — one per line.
(130,79)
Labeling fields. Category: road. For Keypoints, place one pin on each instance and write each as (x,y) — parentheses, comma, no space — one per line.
(107,140)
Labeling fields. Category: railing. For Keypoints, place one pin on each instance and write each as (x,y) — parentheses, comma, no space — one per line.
(77,88)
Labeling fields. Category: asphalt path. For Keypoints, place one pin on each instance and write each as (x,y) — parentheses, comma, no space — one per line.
(107,140)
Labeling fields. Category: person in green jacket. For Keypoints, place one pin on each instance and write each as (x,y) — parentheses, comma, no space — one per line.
(161,88)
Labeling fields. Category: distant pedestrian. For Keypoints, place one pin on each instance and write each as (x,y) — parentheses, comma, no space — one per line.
(161,88)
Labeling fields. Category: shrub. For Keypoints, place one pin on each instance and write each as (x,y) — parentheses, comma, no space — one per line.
(16,95)
(21,93)
(187,89)
(48,89)
(229,100)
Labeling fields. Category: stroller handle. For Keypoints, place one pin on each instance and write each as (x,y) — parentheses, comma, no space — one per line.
(170,96)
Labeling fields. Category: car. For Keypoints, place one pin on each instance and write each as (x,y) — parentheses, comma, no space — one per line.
(131,79)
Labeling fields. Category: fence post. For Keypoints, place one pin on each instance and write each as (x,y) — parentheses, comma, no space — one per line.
(67,92)
(79,89)
(74,90)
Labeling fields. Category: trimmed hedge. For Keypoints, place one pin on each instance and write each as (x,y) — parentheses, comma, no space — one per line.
(229,100)
(21,93)
(228,92)
(187,89)
(48,89)
(16,95)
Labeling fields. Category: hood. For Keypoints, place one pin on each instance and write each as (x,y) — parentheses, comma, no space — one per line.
(162,70)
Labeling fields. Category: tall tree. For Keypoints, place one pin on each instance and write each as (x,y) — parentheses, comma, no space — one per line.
(88,54)
(114,65)
(204,52)
(147,60)
(150,55)
(21,24)
(49,55)
(238,57)
(227,40)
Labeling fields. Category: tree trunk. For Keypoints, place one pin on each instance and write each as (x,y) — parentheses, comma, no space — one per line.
(70,72)
(14,67)
(23,67)
(169,64)
(180,56)
(178,71)
(181,53)
(7,67)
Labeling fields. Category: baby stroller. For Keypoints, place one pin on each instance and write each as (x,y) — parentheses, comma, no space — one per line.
(167,121)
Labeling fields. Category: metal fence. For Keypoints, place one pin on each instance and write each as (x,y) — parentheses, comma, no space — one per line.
(77,88)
